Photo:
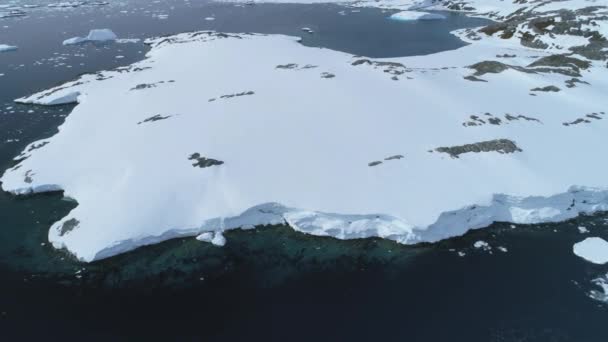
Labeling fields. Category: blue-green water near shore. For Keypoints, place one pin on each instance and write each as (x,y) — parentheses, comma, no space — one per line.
(270,284)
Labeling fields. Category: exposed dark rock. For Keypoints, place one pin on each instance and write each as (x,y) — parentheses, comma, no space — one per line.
(37,146)
(550,88)
(287,66)
(156,117)
(361,61)
(245,93)
(474,79)
(327,75)
(395,157)
(374,163)
(518,117)
(204,162)
(529,40)
(150,85)
(68,226)
(498,145)
(28,177)
(576,122)
(571,83)
(561,61)
(494,121)
(489,67)
(594,116)
(585,119)
(144,86)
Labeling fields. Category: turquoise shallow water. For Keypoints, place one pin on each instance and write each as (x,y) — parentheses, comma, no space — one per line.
(272,283)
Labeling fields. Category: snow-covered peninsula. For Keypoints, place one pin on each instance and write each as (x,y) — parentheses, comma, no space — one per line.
(216,131)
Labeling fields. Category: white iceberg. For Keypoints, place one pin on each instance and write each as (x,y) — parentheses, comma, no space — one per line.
(416,15)
(592,249)
(98,35)
(7,48)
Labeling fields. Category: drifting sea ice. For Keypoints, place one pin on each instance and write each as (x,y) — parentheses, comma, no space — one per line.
(593,249)
(98,35)
(414,15)
(7,48)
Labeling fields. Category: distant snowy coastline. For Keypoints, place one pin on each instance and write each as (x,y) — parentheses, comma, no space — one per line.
(413,149)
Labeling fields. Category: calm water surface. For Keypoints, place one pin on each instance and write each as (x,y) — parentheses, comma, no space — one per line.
(270,284)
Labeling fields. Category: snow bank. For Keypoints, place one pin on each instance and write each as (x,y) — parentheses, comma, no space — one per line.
(215,238)
(414,15)
(592,249)
(98,35)
(6,48)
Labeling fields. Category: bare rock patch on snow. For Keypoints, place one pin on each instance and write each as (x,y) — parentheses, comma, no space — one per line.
(497,145)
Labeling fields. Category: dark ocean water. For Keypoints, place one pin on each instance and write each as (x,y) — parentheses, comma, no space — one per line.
(269,284)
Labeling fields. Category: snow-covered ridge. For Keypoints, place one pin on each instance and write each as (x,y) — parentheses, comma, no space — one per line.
(220,131)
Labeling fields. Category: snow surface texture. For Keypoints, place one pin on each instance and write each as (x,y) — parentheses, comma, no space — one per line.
(99,35)
(7,48)
(410,149)
(415,15)
(592,249)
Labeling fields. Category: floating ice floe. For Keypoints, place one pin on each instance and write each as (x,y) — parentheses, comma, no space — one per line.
(98,35)
(127,40)
(602,294)
(7,48)
(415,15)
(593,249)
(210,18)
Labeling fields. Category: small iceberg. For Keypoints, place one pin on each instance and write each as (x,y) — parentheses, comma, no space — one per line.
(593,249)
(99,35)
(415,15)
(7,48)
